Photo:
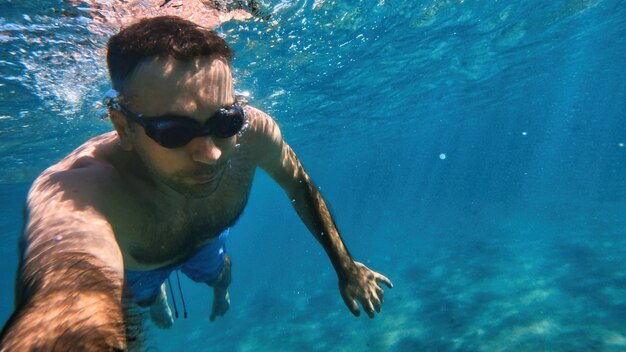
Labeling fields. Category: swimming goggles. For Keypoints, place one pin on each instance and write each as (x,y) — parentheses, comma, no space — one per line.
(175,131)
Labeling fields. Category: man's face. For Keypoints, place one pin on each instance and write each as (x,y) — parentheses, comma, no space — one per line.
(195,89)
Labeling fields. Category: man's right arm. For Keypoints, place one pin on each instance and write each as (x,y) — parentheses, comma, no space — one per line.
(69,286)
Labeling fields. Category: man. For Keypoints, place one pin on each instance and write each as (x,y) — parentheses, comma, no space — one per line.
(158,194)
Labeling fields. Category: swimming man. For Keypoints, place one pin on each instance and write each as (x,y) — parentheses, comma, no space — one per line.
(158,194)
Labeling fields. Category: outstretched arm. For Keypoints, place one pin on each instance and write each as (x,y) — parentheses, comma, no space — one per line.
(69,286)
(357,283)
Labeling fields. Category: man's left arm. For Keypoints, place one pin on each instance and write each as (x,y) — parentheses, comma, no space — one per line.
(357,283)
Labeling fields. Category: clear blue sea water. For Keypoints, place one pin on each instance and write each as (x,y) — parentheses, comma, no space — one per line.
(474,152)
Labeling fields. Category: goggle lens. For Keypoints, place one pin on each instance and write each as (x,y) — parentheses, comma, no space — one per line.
(177,131)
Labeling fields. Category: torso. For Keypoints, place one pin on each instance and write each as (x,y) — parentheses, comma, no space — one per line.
(151,233)
(153,236)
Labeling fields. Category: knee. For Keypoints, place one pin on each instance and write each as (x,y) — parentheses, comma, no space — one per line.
(146,302)
(224,277)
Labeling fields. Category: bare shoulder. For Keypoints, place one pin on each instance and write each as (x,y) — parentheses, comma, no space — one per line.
(263,135)
(94,151)
(261,124)
(79,177)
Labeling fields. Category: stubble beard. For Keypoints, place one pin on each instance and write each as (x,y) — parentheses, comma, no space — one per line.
(178,181)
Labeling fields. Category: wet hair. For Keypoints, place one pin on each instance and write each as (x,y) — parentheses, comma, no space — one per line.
(161,37)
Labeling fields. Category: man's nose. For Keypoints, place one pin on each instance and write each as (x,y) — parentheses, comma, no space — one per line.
(204,150)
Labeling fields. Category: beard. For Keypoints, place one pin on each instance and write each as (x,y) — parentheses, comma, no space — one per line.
(200,182)
(189,187)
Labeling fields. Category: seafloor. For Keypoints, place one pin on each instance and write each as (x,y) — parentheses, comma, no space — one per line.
(533,282)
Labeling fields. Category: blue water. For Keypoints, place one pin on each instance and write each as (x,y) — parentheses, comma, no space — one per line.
(474,152)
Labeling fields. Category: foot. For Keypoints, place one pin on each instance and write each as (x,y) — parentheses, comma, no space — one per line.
(221,303)
(221,298)
(160,311)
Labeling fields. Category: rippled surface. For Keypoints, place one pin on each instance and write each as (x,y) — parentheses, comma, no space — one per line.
(310,63)
(513,241)
(52,74)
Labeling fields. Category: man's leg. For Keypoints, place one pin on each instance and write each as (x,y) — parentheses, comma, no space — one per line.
(221,298)
(212,266)
(160,311)
(148,290)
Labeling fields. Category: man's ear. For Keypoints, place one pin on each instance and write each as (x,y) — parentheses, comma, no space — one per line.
(120,122)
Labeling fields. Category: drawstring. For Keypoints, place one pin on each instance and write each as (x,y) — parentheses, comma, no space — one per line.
(172,294)
(181,296)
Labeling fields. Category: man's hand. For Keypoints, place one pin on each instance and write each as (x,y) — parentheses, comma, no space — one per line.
(363,285)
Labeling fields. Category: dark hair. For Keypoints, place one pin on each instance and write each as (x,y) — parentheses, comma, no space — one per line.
(160,36)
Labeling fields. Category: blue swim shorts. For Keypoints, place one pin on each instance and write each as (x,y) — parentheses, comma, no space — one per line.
(205,265)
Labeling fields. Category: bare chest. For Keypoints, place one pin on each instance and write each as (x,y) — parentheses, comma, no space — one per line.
(152,236)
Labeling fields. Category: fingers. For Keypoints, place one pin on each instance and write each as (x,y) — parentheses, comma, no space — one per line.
(373,302)
(383,279)
(376,298)
(352,306)
(368,307)
(370,304)
(366,288)
(380,294)
(377,304)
